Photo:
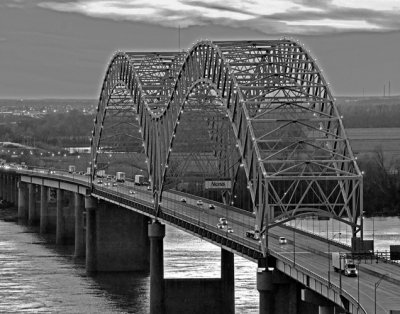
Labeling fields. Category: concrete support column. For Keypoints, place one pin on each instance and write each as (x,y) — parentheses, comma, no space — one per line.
(265,289)
(228,281)
(1,186)
(326,309)
(5,188)
(157,289)
(90,206)
(14,190)
(60,220)
(22,201)
(321,304)
(32,216)
(79,208)
(10,188)
(44,215)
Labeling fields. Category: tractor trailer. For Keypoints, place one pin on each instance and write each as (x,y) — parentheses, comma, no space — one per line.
(120,176)
(139,179)
(342,263)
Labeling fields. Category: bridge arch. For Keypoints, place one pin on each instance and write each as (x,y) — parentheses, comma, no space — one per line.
(287,130)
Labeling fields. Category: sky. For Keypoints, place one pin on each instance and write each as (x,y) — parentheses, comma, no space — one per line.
(61,49)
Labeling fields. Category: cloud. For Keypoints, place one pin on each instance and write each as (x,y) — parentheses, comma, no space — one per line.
(268,16)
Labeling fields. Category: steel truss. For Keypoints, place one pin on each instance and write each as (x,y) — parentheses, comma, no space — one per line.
(285,130)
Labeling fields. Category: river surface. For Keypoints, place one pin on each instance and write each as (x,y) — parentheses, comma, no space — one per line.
(36,276)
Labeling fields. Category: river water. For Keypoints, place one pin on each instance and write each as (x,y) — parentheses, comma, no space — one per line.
(36,276)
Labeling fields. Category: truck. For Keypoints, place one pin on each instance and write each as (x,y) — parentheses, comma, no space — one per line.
(100,173)
(71,169)
(120,176)
(342,263)
(139,179)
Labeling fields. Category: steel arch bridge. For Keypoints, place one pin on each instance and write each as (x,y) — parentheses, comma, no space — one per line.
(258,113)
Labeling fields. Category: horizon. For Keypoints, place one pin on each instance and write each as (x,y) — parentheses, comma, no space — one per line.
(54,49)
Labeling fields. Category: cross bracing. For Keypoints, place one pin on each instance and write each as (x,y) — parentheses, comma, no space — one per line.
(258,107)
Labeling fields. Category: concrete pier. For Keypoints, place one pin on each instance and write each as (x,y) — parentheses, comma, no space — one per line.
(265,289)
(44,216)
(91,206)
(33,215)
(60,228)
(116,238)
(79,207)
(157,288)
(22,201)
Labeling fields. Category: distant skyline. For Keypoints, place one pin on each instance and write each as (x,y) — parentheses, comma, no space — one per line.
(60,49)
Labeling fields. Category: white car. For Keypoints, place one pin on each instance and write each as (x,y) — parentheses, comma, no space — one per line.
(220,226)
(115,184)
(211,206)
(199,202)
(223,221)
(131,192)
(229,230)
(282,240)
(183,200)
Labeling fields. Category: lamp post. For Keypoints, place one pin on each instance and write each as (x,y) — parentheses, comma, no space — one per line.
(294,243)
(376,286)
(329,257)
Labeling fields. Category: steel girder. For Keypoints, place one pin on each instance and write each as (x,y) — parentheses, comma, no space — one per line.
(287,130)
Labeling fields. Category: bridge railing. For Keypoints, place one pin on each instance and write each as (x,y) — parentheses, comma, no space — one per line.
(338,290)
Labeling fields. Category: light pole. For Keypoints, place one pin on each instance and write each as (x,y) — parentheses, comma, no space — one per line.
(294,243)
(329,257)
(376,286)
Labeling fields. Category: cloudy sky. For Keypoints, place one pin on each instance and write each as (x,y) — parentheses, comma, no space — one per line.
(60,49)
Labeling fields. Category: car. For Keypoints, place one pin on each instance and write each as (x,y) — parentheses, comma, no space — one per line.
(229,230)
(223,221)
(211,206)
(131,192)
(220,226)
(115,184)
(106,184)
(199,202)
(183,200)
(99,182)
(282,240)
(253,234)
(149,188)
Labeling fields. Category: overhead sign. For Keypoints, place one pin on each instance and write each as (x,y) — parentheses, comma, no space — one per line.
(218,184)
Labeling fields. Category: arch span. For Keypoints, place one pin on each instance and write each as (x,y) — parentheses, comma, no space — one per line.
(287,131)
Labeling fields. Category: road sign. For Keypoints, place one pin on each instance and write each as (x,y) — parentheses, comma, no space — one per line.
(217,184)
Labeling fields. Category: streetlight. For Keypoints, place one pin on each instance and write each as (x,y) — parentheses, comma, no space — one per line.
(329,257)
(377,285)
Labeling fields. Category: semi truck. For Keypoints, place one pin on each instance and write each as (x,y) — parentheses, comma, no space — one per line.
(120,176)
(342,263)
(71,169)
(139,179)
